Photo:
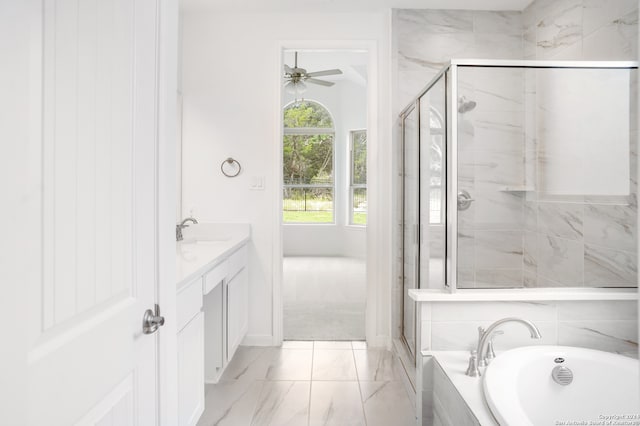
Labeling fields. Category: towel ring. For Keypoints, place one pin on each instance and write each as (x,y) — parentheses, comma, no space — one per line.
(230,167)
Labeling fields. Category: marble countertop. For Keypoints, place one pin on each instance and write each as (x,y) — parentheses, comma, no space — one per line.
(206,245)
(523,294)
(454,364)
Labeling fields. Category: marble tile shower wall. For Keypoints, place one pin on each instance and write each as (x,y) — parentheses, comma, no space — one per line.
(425,40)
(490,239)
(511,238)
(575,240)
(581,30)
(490,160)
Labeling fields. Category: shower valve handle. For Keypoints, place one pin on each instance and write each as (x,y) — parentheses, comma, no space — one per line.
(464,200)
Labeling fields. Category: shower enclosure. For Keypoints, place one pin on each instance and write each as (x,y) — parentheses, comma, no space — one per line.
(520,174)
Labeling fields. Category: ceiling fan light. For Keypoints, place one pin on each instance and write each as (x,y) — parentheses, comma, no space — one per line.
(295,88)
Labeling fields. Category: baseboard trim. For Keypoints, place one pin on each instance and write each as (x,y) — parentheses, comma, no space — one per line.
(257,340)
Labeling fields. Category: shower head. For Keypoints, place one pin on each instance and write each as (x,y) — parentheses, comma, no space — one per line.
(465,105)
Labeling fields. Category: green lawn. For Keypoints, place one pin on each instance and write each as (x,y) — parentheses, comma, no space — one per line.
(359,218)
(308,217)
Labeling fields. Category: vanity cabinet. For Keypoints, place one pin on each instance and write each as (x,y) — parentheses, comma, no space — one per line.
(212,315)
(190,324)
(237,312)
(226,306)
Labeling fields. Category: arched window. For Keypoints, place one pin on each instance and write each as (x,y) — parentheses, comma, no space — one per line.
(308,159)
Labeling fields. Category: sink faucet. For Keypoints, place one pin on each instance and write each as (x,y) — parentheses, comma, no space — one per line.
(479,359)
(183,225)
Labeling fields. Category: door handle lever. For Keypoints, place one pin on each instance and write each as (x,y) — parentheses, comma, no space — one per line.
(152,320)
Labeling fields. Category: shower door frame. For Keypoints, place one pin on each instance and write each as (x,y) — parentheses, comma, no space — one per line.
(411,108)
(450,73)
(414,105)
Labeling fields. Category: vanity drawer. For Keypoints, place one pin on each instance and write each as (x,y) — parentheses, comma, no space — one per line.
(215,276)
(237,261)
(189,303)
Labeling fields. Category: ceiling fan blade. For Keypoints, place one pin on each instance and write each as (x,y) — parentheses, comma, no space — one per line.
(320,82)
(288,69)
(325,72)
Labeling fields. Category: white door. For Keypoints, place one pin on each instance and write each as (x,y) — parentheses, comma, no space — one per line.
(89,362)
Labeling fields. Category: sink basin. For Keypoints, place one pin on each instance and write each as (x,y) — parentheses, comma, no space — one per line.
(520,390)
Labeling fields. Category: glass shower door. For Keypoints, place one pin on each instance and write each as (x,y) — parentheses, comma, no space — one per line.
(433,186)
(410,211)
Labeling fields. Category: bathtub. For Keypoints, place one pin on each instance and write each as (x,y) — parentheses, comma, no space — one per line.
(603,390)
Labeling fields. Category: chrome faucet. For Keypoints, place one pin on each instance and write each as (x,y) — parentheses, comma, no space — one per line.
(479,358)
(182,225)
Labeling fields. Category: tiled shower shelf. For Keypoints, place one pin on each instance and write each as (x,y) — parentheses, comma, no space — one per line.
(525,294)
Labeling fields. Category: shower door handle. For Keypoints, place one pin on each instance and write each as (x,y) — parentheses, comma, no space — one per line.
(464,200)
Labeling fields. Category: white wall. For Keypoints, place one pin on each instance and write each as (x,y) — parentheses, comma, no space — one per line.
(347,103)
(231,74)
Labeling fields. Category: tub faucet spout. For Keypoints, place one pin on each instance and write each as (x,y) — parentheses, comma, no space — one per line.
(485,335)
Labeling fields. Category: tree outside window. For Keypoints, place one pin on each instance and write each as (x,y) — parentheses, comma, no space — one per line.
(308,157)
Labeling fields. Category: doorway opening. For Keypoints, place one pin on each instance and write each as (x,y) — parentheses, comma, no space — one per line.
(324,194)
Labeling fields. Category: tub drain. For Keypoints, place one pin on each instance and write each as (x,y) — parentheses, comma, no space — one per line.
(562,375)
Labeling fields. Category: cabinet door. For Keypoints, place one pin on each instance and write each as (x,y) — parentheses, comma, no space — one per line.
(237,310)
(214,330)
(191,371)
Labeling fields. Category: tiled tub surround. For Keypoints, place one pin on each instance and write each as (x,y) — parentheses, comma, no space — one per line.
(449,396)
(608,325)
(447,324)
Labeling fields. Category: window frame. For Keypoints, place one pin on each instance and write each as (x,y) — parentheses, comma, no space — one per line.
(312,131)
(353,186)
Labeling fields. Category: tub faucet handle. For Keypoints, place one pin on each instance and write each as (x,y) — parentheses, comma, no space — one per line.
(472,369)
(481,331)
(490,352)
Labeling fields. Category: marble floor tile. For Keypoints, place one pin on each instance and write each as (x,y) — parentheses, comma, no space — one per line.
(336,403)
(290,364)
(230,403)
(274,386)
(283,403)
(375,365)
(386,403)
(323,344)
(333,364)
(297,344)
(248,362)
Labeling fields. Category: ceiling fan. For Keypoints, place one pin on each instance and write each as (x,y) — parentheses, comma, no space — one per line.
(296,78)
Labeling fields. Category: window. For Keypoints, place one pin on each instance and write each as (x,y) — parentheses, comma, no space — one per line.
(358,182)
(308,157)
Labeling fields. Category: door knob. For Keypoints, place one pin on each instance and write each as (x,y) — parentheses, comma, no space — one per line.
(152,320)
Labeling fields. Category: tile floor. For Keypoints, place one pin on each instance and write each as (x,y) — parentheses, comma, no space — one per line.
(324,298)
(310,383)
